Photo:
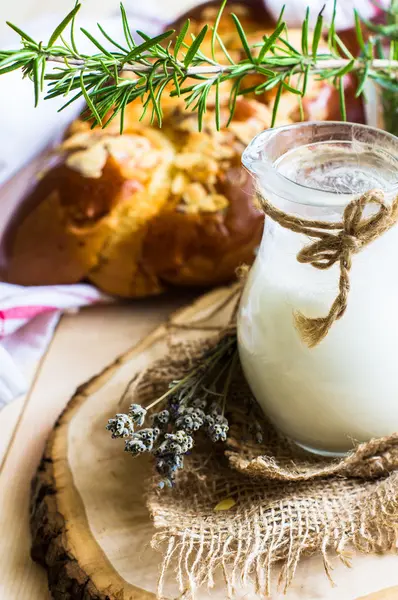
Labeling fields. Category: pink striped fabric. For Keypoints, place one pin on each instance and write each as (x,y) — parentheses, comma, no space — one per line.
(19,304)
(28,317)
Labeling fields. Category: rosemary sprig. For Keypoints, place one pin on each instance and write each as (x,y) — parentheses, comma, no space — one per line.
(382,34)
(168,64)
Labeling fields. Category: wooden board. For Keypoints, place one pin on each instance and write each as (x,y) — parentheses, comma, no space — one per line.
(83,345)
(90,526)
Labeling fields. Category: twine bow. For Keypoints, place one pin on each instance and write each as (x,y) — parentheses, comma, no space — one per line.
(336,243)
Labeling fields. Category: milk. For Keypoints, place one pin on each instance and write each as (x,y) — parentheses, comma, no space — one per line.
(345,390)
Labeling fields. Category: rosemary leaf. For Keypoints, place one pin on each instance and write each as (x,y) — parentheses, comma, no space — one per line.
(111,40)
(12,67)
(358,30)
(181,37)
(343,111)
(72,32)
(148,44)
(63,25)
(279,21)
(36,80)
(339,42)
(126,28)
(17,57)
(73,99)
(217,106)
(96,43)
(193,49)
(242,36)
(23,35)
(317,33)
(223,48)
(362,81)
(270,41)
(276,104)
(266,72)
(332,29)
(89,101)
(291,89)
(215,28)
(346,69)
(304,32)
(305,80)
(289,46)
(233,98)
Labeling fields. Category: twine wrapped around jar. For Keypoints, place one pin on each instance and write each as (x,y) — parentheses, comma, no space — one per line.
(335,243)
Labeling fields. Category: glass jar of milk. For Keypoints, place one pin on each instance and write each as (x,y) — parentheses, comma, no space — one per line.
(345,389)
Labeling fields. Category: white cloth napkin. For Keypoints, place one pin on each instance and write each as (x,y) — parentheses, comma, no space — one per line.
(28,315)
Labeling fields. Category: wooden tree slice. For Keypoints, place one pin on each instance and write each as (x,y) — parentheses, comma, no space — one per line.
(90,526)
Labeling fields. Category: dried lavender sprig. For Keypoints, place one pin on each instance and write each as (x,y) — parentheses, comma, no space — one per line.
(190,405)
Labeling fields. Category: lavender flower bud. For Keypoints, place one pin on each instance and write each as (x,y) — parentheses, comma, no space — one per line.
(121,426)
(167,467)
(199,404)
(156,433)
(185,422)
(218,432)
(215,409)
(138,414)
(135,447)
(210,420)
(168,447)
(161,419)
(146,436)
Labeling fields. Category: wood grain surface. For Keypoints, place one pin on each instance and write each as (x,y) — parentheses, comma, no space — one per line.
(83,345)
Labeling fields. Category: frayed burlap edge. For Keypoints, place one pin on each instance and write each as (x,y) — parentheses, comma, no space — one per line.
(375,458)
(278,522)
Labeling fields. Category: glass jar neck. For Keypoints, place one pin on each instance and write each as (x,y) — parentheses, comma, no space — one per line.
(317,169)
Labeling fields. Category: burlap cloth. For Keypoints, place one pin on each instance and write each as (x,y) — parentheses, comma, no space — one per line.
(288,502)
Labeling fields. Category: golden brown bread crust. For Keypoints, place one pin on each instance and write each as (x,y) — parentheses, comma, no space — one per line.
(199,239)
(73,225)
(97,216)
(110,213)
(205,249)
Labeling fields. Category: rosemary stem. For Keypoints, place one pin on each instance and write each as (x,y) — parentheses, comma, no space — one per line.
(162,64)
(335,63)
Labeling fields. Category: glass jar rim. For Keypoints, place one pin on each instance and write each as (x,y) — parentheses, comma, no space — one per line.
(255,159)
